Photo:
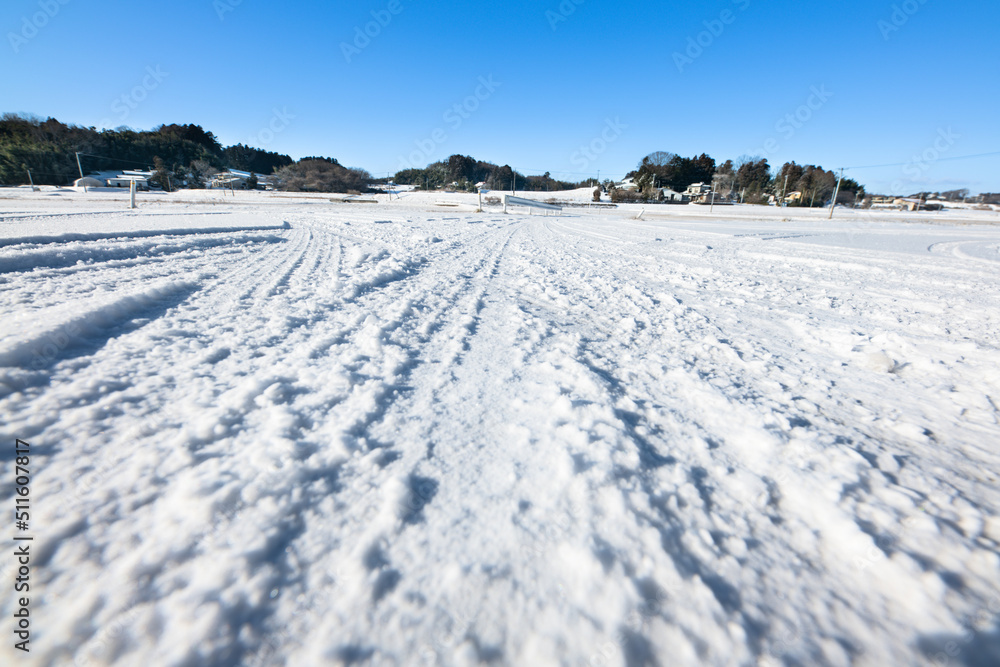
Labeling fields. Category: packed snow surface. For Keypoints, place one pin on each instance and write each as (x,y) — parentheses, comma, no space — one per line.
(270,430)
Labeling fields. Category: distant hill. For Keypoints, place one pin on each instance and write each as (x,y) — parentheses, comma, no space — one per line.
(48,148)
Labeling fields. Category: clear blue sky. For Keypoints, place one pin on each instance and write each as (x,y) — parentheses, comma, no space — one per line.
(923,87)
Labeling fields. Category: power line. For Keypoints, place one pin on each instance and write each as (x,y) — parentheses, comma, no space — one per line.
(104,157)
(941,159)
(50,173)
(561,173)
(521,170)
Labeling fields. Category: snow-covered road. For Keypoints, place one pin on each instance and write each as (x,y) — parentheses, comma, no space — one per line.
(357,434)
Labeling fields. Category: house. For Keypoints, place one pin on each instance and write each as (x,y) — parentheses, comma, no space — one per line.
(702,193)
(672,196)
(231,179)
(228,180)
(793,197)
(627,184)
(713,199)
(126,178)
(696,190)
(908,204)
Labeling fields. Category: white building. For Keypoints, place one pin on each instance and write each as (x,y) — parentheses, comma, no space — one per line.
(232,179)
(125,179)
(698,189)
(668,194)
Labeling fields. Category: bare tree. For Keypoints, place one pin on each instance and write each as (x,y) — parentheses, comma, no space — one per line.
(657,159)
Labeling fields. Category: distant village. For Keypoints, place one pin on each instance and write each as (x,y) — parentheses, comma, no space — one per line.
(37,151)
(696,193)
(703,193)
(229,179)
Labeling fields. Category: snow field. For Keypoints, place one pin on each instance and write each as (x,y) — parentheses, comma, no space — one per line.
(312,437)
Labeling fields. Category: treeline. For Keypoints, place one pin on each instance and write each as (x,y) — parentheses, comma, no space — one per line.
(322,174)
(961,195)
(254,160)
(749,179)
(461,172)
(668,170)
(188,154)
(815,186)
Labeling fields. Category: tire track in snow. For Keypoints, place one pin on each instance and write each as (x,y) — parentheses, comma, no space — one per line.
(744,387)
(244,279)
(514,445)
(267,403)
(393,489)
(458,468)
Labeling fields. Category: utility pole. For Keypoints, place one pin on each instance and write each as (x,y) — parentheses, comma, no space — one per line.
(784,189)
(78,164)
(836,192)
(32,181)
